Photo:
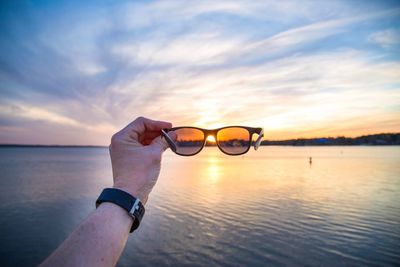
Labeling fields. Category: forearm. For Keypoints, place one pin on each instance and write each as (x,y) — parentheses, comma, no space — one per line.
(135,154)
(97,241)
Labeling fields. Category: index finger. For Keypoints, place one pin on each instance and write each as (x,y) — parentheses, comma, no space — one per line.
(142,125)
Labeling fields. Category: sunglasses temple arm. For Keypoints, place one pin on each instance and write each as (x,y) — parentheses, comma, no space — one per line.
(169,140)
(258,141)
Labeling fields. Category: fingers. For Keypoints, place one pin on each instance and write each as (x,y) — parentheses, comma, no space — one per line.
(173,135)
(162,143)
(159,143)
(142,124)
(147,137)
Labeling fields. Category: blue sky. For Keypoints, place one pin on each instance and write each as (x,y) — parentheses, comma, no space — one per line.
(74,72)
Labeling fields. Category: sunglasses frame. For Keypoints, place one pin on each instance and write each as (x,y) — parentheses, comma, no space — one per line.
(213,132)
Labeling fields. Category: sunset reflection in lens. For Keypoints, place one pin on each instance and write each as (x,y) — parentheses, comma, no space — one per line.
(189,141)
(233,140)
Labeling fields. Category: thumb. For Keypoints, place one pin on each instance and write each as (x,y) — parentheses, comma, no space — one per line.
(159,143)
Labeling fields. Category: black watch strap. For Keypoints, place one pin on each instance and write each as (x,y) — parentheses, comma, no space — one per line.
(126,201)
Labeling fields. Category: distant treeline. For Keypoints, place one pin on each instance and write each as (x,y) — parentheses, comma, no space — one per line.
(384,139)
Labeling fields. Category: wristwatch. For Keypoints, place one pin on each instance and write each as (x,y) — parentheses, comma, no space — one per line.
(126,201)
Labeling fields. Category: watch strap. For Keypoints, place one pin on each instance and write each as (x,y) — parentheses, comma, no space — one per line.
(126,201)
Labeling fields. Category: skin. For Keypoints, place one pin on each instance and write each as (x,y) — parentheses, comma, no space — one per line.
(99,240)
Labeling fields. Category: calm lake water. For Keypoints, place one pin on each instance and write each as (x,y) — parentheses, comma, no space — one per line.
(267,208)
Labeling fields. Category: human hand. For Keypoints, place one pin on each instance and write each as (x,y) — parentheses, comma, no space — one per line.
(135,153)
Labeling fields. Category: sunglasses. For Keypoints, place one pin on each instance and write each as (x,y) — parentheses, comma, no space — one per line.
(231,140)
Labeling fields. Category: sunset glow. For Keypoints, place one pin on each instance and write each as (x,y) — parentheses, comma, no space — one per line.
(211,139)
(75,72)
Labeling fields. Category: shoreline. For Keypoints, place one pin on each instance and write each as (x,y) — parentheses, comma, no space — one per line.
(280,145)
(382,139)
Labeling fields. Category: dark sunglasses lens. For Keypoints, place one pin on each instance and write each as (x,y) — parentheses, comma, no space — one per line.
(189,141)
(233,140)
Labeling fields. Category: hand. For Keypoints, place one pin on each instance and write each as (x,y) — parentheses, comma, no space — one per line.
(136,156)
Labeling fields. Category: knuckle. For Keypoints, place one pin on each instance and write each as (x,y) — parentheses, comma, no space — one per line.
(115,139)
(140,119)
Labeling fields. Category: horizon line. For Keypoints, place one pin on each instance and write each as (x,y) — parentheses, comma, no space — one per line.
(264,140)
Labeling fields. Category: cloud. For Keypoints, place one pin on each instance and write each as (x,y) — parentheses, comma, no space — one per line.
(292,91)
(387,38)
(131,16)
(298,37)
(36,113)
(201,47)
(293,69)
(193,49)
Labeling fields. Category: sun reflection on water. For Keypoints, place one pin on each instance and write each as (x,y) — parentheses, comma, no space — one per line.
(213,169)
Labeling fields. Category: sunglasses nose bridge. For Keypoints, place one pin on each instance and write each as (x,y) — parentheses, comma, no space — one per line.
(208,133)
(211,136)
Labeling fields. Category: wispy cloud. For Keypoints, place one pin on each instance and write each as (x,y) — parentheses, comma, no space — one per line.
(296,69)
(386,38)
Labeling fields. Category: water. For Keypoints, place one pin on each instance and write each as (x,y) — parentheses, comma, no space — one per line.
(269,207)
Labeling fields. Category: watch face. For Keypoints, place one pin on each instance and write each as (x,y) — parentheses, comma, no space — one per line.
(139,210)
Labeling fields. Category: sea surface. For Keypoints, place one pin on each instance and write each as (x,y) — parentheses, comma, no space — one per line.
(270,207)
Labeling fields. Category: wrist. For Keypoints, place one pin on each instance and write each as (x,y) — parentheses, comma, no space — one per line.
(115,212)
(132,190)
(132,205)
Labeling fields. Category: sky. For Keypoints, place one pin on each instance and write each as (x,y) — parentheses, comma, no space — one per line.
(75,72)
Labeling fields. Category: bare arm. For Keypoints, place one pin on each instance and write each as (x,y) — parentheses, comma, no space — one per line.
(99,240)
